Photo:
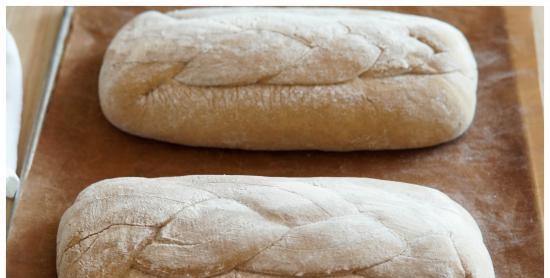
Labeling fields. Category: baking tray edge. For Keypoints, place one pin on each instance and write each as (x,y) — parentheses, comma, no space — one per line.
(53,68)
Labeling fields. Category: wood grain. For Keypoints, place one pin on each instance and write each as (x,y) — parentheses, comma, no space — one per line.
(523,54)
(34,30)
(78,156)
(538,30)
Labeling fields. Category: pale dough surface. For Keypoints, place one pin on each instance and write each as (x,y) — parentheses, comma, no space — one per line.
(289,79)
(250,226)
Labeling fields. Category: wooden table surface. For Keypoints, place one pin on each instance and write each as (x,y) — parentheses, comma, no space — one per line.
(35,30)
(35,226)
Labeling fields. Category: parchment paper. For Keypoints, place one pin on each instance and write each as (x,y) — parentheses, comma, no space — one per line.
(487,170)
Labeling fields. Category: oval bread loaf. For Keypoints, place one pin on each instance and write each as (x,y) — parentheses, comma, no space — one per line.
(289,79)
(247,226)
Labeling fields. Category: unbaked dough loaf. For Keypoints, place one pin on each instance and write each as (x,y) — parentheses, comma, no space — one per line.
(247,226)
(289,79)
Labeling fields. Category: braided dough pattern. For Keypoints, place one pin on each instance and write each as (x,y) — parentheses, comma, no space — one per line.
(246,226)
(289,78)
(225,47)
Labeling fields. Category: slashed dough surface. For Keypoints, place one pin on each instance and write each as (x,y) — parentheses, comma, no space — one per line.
(247,226)
(289,78)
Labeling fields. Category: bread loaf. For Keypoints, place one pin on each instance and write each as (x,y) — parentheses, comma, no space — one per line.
(289,79)
(247,226)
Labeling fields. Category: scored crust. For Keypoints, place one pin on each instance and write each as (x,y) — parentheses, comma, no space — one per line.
(247,226)
(289,78)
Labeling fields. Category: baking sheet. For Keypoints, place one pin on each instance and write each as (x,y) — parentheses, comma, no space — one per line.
(487,170)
